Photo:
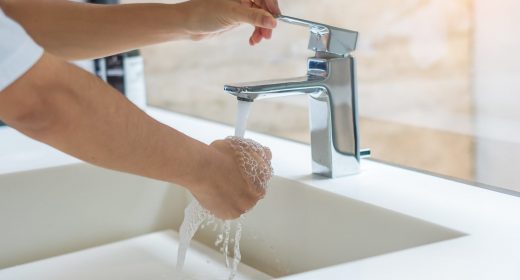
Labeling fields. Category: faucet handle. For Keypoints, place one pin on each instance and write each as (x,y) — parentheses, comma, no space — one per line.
(326,38)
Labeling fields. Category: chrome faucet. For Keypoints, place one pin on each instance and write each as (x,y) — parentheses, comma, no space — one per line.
(331,84)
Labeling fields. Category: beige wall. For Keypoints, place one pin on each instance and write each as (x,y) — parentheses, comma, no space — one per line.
(497,88)
(414,62)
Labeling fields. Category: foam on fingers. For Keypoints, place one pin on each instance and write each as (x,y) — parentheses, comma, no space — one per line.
(254,161)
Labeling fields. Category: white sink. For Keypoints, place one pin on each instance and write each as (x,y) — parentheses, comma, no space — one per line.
(295,229)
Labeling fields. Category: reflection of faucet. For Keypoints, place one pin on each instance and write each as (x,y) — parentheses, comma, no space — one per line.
(331,85)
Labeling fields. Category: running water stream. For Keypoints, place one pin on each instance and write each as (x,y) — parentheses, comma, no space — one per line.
(243,108)
(196,216)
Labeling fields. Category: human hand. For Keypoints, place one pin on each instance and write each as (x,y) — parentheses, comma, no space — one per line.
(259,33)
(206,18)
(237,177)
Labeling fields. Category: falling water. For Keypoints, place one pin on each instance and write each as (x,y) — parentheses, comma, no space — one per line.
(243,108)
(196,216)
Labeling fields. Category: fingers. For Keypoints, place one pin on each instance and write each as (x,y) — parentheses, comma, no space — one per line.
(268,5)
(272,6)
(265,33)
(269,155)
(258,169)
(260,32)
(256,37)
(246,181)
(255,17)
(268,33)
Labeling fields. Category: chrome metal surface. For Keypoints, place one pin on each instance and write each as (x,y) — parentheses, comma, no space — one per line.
(331,85)
(326,38)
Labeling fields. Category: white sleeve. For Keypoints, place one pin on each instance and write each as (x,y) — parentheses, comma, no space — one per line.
(18,52)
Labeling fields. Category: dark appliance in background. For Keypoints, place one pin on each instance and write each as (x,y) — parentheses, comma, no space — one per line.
(124,71)
(111,68)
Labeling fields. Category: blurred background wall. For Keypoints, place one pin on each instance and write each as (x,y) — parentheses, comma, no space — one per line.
(421,70)
(496,85)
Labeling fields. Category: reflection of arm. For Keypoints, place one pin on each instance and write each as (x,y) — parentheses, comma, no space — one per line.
(78,31)
(69,109)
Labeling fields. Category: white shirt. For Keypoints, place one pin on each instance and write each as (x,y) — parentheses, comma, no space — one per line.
(18,52)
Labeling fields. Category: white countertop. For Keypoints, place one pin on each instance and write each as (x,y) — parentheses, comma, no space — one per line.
(489,250)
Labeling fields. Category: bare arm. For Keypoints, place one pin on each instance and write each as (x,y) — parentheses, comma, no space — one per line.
(74,30)
(71,110)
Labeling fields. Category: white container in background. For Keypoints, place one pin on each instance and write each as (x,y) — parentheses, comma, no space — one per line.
(135,88)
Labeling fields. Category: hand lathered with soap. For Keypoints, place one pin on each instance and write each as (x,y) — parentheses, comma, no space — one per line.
(55,102)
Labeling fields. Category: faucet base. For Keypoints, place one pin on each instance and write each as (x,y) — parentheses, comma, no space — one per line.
(333,120)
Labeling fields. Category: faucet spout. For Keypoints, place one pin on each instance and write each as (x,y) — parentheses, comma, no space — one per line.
(330,84)
(310,84)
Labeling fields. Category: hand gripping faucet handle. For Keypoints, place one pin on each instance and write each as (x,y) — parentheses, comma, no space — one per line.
(325,38)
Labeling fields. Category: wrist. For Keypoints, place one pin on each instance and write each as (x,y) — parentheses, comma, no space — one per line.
(198,167)
(170,20)
(181,17)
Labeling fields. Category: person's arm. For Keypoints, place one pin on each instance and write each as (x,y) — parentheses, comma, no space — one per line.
(79,31)
(61,105)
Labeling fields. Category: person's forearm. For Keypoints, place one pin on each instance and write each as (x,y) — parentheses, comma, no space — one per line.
(69,109)
(81,31)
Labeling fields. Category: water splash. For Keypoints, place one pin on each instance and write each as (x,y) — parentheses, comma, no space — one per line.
(195,216)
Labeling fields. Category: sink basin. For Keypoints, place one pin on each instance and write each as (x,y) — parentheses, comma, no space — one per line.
(296,228)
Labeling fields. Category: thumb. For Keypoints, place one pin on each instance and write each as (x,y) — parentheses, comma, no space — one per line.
(253,16)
